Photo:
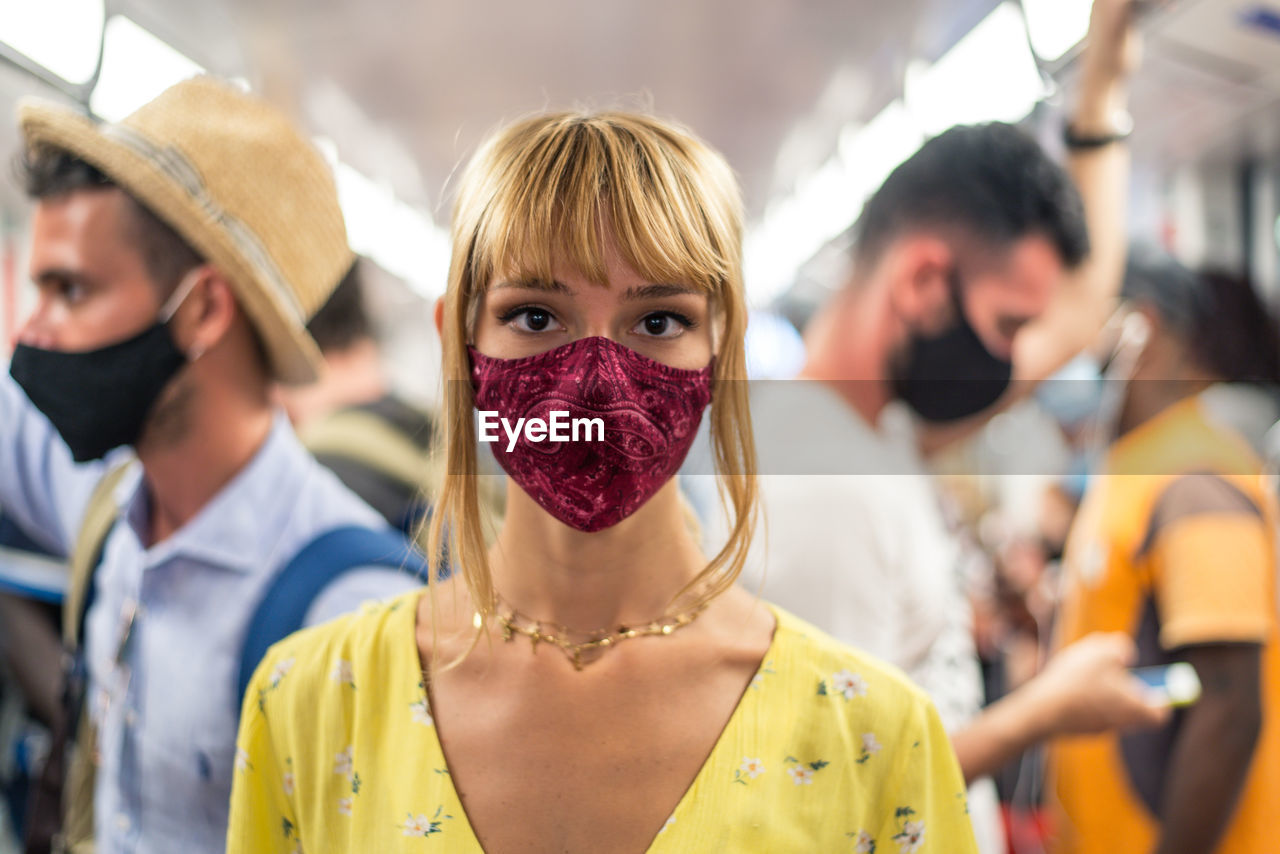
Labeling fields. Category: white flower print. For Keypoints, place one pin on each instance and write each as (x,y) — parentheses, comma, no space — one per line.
(343,673)
(417,825)
(670,821)
(864,844)
(278,672)
(752,768)
(287,783)
(870,744)
(850,684)
(421,713)
(344,806)
(421,825)
(242,759)
(342,762)
(910,838)
(757,681)
(801,776)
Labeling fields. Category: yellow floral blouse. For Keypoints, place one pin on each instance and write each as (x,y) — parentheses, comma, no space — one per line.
(828,750)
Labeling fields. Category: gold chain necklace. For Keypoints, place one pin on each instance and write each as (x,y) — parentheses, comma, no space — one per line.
(515,623)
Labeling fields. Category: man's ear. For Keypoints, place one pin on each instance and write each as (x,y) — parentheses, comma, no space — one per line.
(204,317)
(919,269)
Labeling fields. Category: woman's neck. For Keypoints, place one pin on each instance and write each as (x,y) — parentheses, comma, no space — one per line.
(624,575)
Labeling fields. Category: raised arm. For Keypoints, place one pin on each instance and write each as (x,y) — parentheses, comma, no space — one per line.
(41,488)
(1087,294)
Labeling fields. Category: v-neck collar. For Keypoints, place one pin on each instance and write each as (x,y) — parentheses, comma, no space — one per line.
(723,740)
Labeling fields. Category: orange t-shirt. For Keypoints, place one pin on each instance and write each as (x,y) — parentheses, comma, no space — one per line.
(1175,545)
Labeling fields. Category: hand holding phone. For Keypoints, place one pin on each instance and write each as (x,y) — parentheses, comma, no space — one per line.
(1171,684)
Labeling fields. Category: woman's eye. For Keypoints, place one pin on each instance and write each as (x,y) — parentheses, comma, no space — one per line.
(532,320)
(663,325)
(537,320)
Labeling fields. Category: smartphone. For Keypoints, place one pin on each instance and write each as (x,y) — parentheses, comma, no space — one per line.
(1171,684)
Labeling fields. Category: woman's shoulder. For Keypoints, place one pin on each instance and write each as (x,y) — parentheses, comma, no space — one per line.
(835,713)
(810,655)
(378,635)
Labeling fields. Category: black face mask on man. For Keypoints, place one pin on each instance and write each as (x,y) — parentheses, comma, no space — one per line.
(950,375)
(99,399)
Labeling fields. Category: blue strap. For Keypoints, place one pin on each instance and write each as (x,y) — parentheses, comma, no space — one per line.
(284,606)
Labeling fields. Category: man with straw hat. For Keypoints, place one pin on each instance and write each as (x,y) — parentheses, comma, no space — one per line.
(177,256)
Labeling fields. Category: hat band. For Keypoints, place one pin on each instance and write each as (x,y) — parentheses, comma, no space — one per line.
(175,165)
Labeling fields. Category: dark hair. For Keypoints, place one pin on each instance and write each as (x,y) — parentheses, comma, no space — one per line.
(344,319)
(1219,315)
(51,172)
(990,182)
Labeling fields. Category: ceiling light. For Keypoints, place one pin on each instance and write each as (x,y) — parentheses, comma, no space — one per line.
(990,75)
(136,67)
(63,36)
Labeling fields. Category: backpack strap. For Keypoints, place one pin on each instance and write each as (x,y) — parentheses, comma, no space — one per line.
(284,605)
(100,516)
(60,810)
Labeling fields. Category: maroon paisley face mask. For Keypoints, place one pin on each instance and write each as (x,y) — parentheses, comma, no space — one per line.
(616,425)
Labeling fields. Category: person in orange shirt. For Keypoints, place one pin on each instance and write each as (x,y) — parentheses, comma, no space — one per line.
(1175,544)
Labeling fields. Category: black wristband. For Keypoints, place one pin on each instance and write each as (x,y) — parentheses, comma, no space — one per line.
(1083,142)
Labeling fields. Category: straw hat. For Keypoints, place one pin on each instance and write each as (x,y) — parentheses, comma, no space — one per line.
(233,176)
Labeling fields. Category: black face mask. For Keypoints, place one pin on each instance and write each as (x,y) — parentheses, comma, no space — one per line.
(951,375)
(98,400)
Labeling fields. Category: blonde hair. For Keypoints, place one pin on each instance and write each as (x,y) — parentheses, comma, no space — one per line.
(552,184)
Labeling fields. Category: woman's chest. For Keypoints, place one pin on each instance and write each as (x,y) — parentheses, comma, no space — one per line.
(550,765)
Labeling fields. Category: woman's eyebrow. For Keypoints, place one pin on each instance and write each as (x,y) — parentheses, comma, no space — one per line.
(658,291)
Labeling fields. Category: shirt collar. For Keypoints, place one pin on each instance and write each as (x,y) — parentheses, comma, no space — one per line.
(242,526)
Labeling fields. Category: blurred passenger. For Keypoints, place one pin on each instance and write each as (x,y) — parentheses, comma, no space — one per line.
(1175,545)
(30,677)
(30,646)
(177,256)
(30,685)
(972,279)
(596,270)
(378,443)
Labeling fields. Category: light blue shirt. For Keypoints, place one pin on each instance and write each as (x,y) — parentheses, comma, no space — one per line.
(165,702)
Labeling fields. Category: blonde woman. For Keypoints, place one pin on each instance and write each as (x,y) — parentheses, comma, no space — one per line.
(596,273)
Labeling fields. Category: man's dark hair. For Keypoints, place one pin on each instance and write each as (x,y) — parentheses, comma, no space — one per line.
(51,172)
(1218,314)
(990,183)
(344,319)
